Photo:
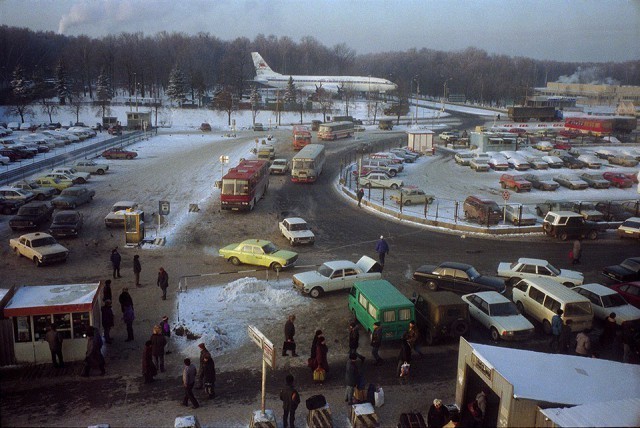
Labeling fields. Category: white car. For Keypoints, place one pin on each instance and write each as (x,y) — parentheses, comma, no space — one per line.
(498,163)
(279,166)
(91,167)
(79,177)
(39,247)
(116,217)
(500,315)
(376,179)
(296,230)
(604,300)
(520,215)
(538,268)
(553,161)
(592,161)
(336,275)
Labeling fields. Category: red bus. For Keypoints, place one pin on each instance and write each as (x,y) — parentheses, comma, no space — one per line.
(301,136)
(243,186)
(601,125)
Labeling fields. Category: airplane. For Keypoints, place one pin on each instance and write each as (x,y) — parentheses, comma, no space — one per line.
(268,77)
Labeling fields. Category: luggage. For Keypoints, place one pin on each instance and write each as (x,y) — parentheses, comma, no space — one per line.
(359,395)
(378,397)
(371,393)
(411,420)
(319,375)
(316,402)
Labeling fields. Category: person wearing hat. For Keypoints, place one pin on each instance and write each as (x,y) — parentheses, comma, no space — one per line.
(354,340)
(376,341)
(107,320)
(438,415)
(125,299)
(115,262)
(204,353)
(163,282)
(382,248)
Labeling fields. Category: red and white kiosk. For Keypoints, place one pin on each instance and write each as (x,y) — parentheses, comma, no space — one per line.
(71,307)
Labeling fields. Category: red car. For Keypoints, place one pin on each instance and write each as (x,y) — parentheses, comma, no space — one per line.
(568,133)
(631,176)
(118,153)
(562,146)
(618,179)
(630,291)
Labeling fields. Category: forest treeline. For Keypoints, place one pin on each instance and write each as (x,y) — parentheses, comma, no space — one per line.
(209,63)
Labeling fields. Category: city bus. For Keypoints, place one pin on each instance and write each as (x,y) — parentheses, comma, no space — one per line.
(306,165)
(335,130)
(244,185)
(301,136)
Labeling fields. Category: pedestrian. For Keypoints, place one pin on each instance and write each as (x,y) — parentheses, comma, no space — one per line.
(106,291)
(128,317)
(290,400)
(137,268)
(413,337)
(115,262)
(149,369)
(54,339)
(188,382)
(629,340)
(360,195)
(564,345)
(405,354)
(583,343)
(351,377)
(108,320)
(204,353)
(158,342)
(354,340)
(289,333)
(166,331)
(163,282)
(382,248)
(481,402)
(438,415)
(209,369)
(609,330)
(125,299)
(93,356)
(376,341)
(576,252)
(556,331)
(314,347)
(321,355)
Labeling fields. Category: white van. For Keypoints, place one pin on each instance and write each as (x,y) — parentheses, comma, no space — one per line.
(540,298)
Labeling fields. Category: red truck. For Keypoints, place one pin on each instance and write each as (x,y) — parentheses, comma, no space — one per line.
(515,182)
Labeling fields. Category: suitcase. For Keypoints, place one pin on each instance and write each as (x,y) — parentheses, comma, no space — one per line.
(411,420)
(320,418)
(316,402)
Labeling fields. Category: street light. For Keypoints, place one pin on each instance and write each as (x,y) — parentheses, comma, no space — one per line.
(444,92)
(135,88)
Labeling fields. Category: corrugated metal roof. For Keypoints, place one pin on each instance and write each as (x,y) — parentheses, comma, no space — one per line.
(619,413)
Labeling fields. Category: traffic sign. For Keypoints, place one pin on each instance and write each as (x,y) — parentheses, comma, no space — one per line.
(506,195)
(164,207)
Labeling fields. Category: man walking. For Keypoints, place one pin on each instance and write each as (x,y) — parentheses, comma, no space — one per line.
(290,400)
(556,330)
(289,332)
(188,382)
(115,262)
(376,341)
(360,195)
(354,340)
(137,268)
(55,345)
(107,320)
(382,248)
(204,354)
(163,282)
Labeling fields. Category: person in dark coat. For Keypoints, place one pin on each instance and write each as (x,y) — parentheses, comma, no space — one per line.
(93,356)
(188,382)
(360,195)
(438,415)
(382,248)
(137,268)
(314,348)
(290,400)
(209,370)
(107,320)
(163,282)
(115,262)
(354,340)
(405,352)
(166,331)
(158,342)
(54,339)
(566,337)
(351,377)
(106,291)
(204,353)
(128,317)
(376,341)
(149,370)
(321,354)
(125,299)
(289,333)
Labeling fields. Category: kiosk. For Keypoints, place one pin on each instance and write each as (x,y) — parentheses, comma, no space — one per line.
(133,227)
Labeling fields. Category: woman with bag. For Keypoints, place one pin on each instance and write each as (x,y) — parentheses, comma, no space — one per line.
(311,362)
(404,358)
(322,365)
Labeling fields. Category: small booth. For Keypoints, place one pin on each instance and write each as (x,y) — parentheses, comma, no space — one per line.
(421,141)
(133,227)
(72,308)
(519,384)
(138,120)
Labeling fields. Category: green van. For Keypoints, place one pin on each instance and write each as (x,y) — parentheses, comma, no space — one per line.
(378,300)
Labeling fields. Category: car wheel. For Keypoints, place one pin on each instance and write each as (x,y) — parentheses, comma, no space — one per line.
(368,185)
(36,262)
(593,235)
(276,267)
(394,186)
(568,284)
(234,261)
(407,203)
(100,172)
(392,173)
(81,181)
(316,292)
(432,285)
(564,236)
(428,338)
(460,327)
(546,327)
(503,185)
(495,336)
(520,307)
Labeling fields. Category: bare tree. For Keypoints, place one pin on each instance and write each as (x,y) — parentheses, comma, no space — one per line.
(223,100)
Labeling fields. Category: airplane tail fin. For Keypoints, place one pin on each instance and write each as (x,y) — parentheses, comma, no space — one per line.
(261,65)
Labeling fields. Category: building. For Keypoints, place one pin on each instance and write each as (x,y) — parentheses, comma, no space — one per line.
(421,141)
(592,95)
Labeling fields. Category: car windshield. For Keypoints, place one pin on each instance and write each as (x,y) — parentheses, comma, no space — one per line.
(553,269)
(613,300)
(299,226)
(41,242)
(325,271)
(503,309)
(472,273)
(65,219)
(269,248)
(28,211)
(632,265)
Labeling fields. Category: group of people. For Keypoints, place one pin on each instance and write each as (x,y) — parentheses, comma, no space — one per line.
(163,276)
(202,378)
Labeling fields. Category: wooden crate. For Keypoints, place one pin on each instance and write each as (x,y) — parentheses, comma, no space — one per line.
(411,420)
(363,416)
(320,418)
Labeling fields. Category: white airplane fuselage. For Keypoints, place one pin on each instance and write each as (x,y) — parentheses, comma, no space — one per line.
(268,77)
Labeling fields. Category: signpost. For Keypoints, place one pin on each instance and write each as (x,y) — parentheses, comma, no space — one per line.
(505,196)
(268,358)
(164,207)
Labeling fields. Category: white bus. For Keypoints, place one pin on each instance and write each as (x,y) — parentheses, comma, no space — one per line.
(335,130)
(306,165)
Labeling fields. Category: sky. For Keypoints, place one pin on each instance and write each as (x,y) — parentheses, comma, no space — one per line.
(562,30)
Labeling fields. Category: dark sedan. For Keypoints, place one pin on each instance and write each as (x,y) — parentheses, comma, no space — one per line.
(572,162)
(457,277)
(628,270)
(613,211)
(66,224)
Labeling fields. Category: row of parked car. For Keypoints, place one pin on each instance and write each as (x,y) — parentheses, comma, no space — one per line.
(379,170)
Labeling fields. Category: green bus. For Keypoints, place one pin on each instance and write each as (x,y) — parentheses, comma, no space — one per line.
(379,301)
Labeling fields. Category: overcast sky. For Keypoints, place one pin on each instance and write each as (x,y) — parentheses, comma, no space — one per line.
(563,30)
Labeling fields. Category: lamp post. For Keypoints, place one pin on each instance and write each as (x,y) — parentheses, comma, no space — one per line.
(444,91)
(417,96)
(135,88)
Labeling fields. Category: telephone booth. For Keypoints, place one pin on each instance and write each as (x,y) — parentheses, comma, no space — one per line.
(133,227)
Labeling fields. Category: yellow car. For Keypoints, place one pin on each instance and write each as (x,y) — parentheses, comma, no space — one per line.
(260,253)
(56,183)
